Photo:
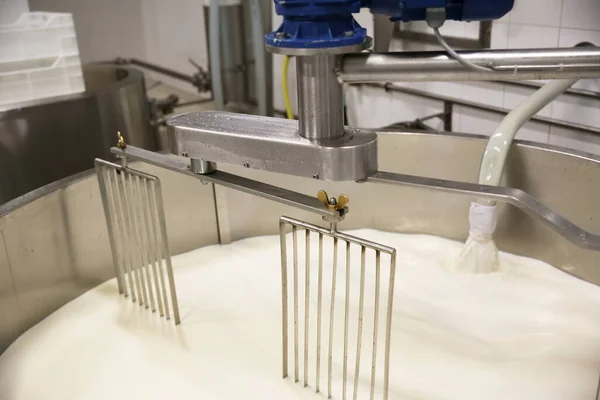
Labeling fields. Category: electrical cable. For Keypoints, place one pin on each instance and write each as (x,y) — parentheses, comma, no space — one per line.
(454,55)
(284,87)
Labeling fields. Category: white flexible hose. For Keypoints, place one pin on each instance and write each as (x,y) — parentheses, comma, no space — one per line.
(480,254)
(492,163)
(215,55)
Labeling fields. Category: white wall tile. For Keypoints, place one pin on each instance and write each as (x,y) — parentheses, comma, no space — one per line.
(470,30)
(513,96)
(535,132)
(167,23)
(450,28)
(581,141)
(484,123)
(365,19)
(412,85)
(500,35)
(452,89)
(433,107)
(529,36)
(571,37)
(353,98)
(484,92)
(578,110)
(537,12)
(404,107)
(588,84)
(371,108)
(581,14)
(474,121)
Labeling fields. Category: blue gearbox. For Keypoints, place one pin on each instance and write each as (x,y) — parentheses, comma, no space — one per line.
(329,23)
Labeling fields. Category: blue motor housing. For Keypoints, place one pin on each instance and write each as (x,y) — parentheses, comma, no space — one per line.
(329,23)
(458,10)
(317,24)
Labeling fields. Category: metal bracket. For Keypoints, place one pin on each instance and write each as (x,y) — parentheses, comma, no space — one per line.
(269,192)
(272,144)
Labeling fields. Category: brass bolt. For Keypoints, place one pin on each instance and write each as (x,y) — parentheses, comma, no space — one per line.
(331,203)
(121,141)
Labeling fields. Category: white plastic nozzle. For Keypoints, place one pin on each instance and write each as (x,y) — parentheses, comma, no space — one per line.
(482,221)
(480,254)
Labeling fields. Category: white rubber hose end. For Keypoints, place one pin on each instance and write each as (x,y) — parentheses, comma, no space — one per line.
(482,221)
(480,254)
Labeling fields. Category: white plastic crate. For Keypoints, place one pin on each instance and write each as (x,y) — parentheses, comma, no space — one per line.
(39,58)
(10,10)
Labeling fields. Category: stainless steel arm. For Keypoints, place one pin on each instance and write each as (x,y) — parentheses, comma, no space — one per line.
(516,197)
(534,64)
(270,192)
(272,144)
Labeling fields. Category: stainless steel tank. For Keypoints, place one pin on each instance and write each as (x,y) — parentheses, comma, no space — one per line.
(54,245)
(51,139)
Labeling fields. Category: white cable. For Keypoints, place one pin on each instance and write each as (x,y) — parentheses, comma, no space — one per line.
(453,54)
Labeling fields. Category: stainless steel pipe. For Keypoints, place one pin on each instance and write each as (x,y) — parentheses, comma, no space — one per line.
(580,62)
(320,98)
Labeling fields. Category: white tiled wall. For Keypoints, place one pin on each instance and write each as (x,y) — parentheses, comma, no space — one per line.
(531,24)
(10,10)
(175,31)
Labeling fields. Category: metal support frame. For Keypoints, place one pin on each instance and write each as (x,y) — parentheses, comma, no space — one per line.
(231,181)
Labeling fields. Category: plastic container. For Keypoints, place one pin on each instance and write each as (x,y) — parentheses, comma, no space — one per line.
(11,10)
(39,58)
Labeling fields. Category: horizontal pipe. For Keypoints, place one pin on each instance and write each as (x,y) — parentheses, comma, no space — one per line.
(156,68)
(534,64)
(481,107)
